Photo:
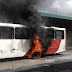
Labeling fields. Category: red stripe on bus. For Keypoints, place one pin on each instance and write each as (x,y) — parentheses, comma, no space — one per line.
(53,47)
(28,53)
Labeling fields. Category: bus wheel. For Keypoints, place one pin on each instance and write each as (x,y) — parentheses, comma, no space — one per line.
(36,55)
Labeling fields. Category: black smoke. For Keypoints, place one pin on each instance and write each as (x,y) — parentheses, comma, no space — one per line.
(32,20)
(15,11)
(21,12)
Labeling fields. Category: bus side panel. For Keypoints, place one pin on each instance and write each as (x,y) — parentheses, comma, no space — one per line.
(57,46)
(61,47)
(62,44)
(26,46)
(1,54)
(14,48)
(5,48)
(53,47)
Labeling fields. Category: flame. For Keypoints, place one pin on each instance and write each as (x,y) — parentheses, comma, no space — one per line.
(37,47)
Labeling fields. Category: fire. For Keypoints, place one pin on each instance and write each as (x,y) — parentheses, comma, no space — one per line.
(37,47)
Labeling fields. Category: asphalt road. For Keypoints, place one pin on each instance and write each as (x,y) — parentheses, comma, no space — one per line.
(62,67)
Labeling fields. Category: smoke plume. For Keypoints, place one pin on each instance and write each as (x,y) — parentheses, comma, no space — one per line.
(21,12)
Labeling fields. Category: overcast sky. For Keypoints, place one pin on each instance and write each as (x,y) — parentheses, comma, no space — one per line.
(60,7)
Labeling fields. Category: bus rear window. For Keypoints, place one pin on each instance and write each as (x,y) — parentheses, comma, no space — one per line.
(6,33)
(59,34)
(21,33)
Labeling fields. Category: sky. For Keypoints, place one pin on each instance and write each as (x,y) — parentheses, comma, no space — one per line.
(59,7)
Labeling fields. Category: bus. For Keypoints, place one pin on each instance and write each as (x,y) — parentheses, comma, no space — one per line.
(15,41)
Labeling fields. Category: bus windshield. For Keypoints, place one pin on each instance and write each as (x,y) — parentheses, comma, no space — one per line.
(6,33)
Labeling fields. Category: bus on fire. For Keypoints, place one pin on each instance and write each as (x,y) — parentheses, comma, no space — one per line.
(15,43)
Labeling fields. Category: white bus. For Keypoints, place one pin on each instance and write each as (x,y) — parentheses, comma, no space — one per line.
(15,41)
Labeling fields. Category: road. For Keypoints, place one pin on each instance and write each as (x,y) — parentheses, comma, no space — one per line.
(63,67)
(46,63)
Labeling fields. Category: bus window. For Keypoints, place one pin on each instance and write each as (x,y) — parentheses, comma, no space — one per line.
(21,33)
(46,33)
(50,33)
(59,34)
(6,33)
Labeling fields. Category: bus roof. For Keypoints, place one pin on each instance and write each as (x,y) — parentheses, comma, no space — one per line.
(52,27)
(20,25)
(12,25)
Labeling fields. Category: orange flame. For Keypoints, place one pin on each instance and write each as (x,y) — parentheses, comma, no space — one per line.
(37,47)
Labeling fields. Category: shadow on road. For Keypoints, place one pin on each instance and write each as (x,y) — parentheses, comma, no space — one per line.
(63,67)
(12,59)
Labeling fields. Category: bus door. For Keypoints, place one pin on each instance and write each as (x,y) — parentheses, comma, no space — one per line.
(21,43)
(6,35)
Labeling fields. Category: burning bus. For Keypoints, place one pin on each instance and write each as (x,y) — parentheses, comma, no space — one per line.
(14,42)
